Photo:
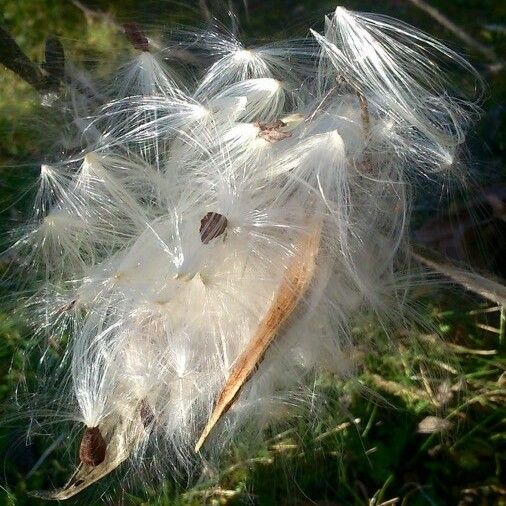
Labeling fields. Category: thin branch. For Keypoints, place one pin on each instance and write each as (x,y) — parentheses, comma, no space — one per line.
(44,78)
(481,285)
(97,14)
(486,51)
(177,52)
(12,57)
(205,11)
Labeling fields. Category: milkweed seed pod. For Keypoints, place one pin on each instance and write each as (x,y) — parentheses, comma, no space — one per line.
(213,234)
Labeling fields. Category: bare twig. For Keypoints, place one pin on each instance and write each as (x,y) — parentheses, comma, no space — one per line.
(44,78)
(481,285)
(12,57)
(486,51)
(205,11)
(364,114)
(97,14)
(177,52)
(502,328)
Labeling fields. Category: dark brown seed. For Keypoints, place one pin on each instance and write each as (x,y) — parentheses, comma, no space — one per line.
(147,415)
(135,36)
(93,447)
(212,225)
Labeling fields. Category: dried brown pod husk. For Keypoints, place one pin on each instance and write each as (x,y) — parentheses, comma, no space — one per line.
(292,288)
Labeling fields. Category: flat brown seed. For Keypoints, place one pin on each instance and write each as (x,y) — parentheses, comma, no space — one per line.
(146,413)
(212,225)
(136,37)
(93,447)
(297,278)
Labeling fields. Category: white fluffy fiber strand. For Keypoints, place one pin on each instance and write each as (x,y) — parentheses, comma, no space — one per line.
(274,140)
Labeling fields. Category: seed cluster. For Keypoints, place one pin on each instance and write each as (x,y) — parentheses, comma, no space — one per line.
(213,234)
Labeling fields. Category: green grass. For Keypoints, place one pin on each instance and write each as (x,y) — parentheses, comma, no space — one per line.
(361,449)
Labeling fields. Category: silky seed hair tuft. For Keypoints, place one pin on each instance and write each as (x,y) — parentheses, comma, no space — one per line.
(211,235)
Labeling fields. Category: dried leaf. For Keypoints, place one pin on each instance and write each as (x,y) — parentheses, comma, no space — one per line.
(273,131)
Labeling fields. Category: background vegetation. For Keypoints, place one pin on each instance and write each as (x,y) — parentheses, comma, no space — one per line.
(437,434)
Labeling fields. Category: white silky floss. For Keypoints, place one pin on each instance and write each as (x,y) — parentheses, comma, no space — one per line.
(215,240)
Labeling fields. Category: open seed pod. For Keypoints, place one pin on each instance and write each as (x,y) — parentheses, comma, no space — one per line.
(117,436)
(206,251)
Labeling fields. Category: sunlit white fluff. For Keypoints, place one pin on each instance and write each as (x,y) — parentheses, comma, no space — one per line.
(280,141)
(233,62)
(399,70)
